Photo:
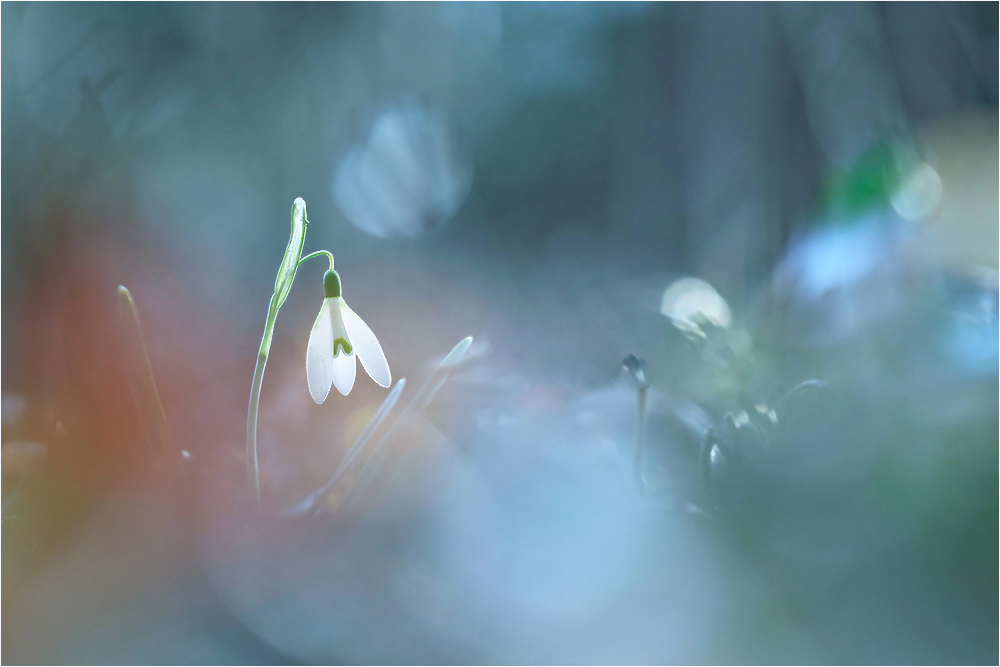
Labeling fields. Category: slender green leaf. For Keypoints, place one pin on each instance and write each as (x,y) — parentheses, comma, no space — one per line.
(290,262)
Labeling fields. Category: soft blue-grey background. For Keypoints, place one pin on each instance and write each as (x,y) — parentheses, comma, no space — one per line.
(534,174)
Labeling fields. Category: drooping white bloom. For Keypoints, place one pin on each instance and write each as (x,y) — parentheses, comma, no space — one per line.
(337,337)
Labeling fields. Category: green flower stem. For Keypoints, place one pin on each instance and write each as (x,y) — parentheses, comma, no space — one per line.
(290,262)
(253,477)
(253,474)
(318,253)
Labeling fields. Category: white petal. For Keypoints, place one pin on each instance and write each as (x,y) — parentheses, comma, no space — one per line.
(345,367)
(366,346)
(319,355)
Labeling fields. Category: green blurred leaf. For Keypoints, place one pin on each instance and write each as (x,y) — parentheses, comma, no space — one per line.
(868,184)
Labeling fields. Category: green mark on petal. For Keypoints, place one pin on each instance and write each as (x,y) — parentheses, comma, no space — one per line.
(343,345)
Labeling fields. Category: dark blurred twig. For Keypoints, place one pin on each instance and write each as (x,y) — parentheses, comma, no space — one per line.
(636,366)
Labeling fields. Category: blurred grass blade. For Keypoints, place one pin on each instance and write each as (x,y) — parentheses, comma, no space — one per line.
(457,353)
(142,382)
(383,411)
(414,408)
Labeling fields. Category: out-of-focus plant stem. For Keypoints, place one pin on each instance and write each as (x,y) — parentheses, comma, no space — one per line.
(640,441)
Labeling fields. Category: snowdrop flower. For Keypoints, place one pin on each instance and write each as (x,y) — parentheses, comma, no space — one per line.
(337,336)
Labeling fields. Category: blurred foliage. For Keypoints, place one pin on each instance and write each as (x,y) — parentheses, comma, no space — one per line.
(867,184)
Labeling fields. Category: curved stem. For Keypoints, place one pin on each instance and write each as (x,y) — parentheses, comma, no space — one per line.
(318,253)
(253,476)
